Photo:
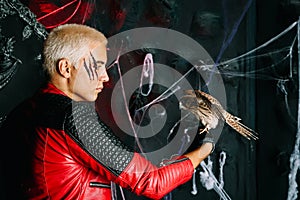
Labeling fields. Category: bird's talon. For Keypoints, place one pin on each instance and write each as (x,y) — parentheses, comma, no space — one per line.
(202,130)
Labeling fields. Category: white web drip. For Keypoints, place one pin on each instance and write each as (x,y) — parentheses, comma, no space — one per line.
(208,179)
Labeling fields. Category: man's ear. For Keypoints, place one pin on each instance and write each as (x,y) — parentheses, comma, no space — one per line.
(64,67)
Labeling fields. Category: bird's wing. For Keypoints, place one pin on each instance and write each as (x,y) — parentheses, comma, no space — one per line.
(213,104)
(201,108)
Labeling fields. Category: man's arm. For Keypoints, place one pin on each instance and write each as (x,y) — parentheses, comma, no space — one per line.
(199,154)
(127,168)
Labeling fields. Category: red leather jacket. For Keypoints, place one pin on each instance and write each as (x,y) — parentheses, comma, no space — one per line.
(75,156)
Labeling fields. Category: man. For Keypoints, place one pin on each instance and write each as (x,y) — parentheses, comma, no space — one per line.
(69,152)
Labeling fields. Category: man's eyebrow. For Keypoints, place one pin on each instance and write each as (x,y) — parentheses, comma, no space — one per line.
(100,62)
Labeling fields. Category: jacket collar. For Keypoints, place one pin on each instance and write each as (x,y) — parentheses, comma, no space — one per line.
(50,88)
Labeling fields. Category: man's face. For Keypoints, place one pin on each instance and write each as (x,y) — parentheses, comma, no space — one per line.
(89,76)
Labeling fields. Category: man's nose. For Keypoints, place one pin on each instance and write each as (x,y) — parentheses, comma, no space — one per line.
(104,77)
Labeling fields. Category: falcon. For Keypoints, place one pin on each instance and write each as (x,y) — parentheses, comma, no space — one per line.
(210,112)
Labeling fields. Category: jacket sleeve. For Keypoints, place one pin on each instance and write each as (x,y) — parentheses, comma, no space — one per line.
(100,148)
(143,178)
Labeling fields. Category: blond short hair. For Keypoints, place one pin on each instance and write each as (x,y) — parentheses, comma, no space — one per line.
(71,41)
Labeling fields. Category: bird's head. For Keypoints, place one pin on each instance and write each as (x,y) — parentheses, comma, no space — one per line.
(188,101)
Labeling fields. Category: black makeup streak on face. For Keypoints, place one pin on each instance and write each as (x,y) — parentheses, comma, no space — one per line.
(91,67)
(91,70)
(94,65)
(87,69)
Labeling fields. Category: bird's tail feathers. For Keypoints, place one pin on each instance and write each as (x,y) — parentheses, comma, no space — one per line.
(242,129)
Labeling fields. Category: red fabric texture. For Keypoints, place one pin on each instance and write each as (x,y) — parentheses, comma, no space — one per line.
(52,14)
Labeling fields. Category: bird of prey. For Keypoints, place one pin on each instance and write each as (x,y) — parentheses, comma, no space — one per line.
(209,112)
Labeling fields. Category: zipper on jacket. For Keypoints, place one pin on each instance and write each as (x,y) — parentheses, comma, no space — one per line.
(97,184)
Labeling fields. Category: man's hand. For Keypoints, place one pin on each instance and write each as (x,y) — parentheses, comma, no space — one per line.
(209,138)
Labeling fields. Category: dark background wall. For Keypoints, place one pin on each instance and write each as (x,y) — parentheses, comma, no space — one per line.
(253,170)
(277,126)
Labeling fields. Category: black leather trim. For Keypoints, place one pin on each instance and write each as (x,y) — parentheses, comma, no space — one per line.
(82,123)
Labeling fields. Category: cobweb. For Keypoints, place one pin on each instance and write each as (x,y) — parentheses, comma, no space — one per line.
(274,64)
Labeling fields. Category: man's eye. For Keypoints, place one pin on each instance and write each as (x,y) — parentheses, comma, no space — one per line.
(98,67)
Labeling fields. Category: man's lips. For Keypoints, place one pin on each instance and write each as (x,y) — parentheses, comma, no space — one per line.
(99,89)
